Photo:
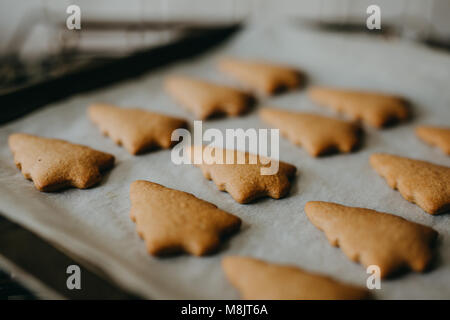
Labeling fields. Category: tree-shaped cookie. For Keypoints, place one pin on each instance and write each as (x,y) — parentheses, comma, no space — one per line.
(259,280)
(172,221)
(374,238)
(261,76)
(437,136)
(207,99)
(136,129)
(423,183)
(247,176)
(375,109)
(317,134)
(54,164)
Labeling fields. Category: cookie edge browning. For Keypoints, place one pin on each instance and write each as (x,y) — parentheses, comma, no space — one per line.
(378,122)
(422,266)
(248,100)
(133,150)
(269,89)
(223,235)
(106,165)
(332,148)
(423,134)
(229,265)
(291,171)
(393,184)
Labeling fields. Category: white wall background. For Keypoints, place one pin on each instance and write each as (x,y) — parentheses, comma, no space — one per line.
(434,12)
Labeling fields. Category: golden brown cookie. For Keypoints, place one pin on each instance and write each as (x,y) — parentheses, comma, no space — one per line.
(423,183)
(317,134)
(137,130)
(207,99)
(259,280)
(374,238)
(375,109)
(437,136)
(243,180)
(54,164)
(261,76)
(172,221)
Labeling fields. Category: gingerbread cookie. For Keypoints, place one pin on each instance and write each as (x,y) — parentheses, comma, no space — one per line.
(374,238)
(437,136)
(54,164)
(244,179)
(423,183)
(137,130)
(207,99)
(317,134)
(172,221)
(260,76)
(259,280)
(375,109)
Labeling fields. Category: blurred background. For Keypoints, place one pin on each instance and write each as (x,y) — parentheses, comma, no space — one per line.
(430,18)
(35,43)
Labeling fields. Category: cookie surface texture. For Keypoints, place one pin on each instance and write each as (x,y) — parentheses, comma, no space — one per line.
(374,238)
(244,180)
(317,134)
(259,280)
(423,183)
(206,99)
(136,129)
(260,76)
(374,109)
(54,164)
(172,221)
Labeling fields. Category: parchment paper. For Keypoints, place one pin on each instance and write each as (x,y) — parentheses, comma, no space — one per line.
(94,224)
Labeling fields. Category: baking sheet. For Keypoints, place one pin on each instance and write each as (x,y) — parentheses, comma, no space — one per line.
(94,224)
